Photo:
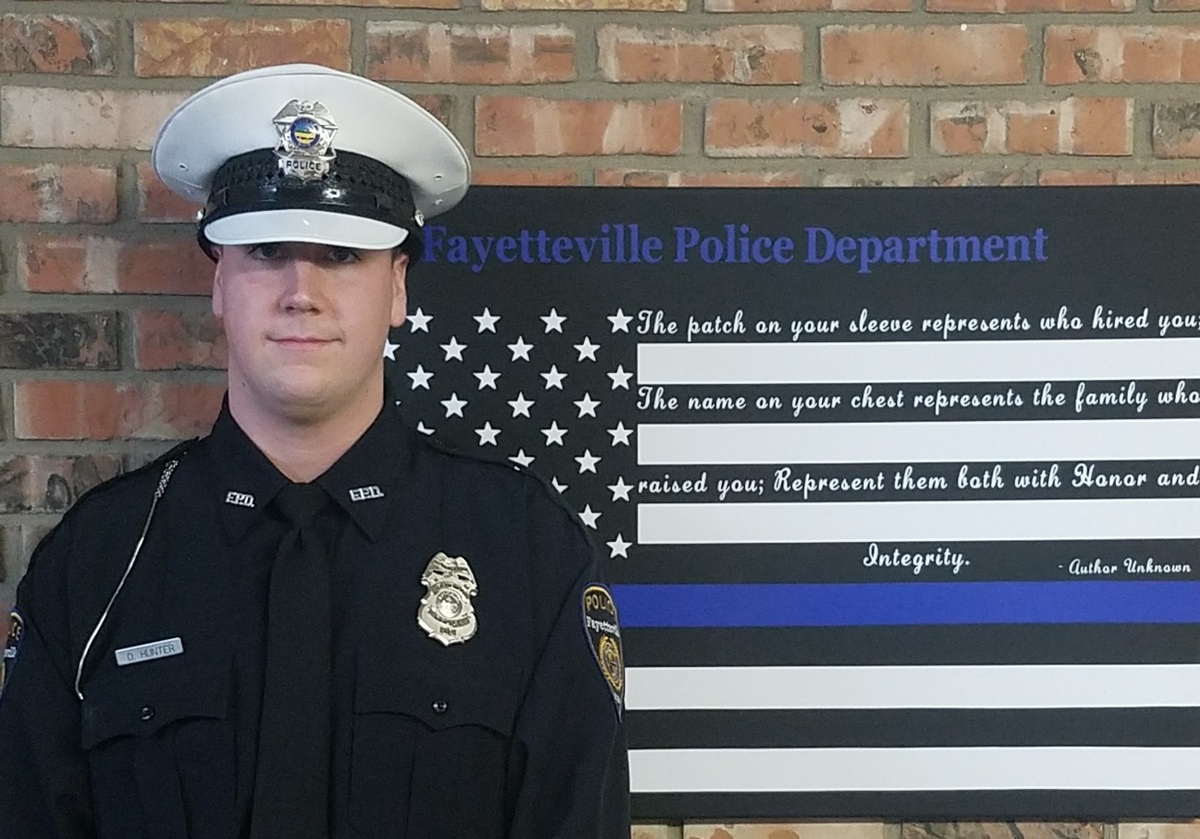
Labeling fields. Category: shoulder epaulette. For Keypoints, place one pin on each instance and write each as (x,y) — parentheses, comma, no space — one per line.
(554,495)
(155,465)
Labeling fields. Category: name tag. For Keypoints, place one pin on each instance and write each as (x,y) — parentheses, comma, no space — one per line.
(149,652)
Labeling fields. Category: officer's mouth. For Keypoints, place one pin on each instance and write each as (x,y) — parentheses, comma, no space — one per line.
(302,342)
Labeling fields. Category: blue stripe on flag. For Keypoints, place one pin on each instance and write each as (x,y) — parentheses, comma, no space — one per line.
(898,604)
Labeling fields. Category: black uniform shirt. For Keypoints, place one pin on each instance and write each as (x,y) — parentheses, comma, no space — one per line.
(514,733)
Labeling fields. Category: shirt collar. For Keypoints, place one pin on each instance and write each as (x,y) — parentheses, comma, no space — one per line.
(363,481)
(366,480)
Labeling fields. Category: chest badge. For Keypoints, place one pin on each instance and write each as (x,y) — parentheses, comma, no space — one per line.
(446,612)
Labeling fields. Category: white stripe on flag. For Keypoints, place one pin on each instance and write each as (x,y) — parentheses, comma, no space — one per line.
(932,686)
(860,770)
(704,444)
(893,521)
(924,361)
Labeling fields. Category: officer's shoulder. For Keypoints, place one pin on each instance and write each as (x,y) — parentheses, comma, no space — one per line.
(106,514)
(502,476)
(141,482)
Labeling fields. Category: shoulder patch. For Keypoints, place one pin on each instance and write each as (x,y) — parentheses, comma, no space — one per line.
(12,647)
(604,635)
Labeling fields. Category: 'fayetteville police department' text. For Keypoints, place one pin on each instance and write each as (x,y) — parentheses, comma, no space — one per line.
(730,244)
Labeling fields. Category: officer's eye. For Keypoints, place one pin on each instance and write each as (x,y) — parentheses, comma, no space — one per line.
(342,256)
(266,250)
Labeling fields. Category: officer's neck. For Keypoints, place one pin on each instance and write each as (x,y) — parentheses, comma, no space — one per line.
(303,443)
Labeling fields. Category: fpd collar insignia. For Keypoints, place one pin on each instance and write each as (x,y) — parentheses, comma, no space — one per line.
(306,132)
(12,646)
(446,612)
(604,636)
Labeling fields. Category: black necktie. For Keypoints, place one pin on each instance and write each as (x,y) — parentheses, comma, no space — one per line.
(291,784)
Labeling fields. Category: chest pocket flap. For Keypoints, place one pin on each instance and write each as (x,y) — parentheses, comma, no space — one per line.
(141,699)
(441,697)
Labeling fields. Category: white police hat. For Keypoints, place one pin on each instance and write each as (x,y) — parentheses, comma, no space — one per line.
(303,153)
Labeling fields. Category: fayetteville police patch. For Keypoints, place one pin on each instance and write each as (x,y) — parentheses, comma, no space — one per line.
(604,635)
(12,646)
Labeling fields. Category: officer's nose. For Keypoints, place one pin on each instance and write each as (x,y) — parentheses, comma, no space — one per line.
(301,285)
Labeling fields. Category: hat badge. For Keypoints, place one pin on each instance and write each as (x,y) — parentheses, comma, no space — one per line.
(306,132)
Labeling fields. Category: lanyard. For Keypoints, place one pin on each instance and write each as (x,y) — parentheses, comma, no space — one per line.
(163,480)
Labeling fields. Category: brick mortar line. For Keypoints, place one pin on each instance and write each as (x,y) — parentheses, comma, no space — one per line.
(127,186)
(84,448)
(7,414)
(22,300)
(12,376)
(11,521)
(587,89)
(587,50)
(1143,129)
(33,156)
(918,16)
(586,165)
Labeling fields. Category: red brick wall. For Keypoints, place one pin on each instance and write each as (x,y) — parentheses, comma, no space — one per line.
(108,351)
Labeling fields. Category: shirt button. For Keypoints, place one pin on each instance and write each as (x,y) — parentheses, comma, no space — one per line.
(439,707)
(148,713)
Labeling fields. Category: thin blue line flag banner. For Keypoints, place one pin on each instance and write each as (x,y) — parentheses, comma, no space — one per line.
(898,489)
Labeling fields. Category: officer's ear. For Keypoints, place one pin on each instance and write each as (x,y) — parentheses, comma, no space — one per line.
(399,287)
(218,295)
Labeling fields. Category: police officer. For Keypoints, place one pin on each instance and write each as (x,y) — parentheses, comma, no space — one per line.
(312,623)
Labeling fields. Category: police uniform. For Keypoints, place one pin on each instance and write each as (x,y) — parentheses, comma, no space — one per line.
(132,684)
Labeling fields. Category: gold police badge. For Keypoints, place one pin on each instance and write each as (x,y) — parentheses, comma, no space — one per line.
(446,612)
(306,132)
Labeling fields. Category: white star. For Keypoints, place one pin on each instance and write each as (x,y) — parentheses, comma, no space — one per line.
(553,377)
(589,516)
(487,434)
(522,459)
(521,405)
(553,321)
(587,405)
(420,321)
(520,349)
(619,547)
(587,349)
(420,377)
(389,349)
(487,321)
(619,378)
(486,377)
(620,434)
(554,434)
(620,490)
(453,349)
(587,462)
(559,487)
(454,405)
(423,429)
(620,321)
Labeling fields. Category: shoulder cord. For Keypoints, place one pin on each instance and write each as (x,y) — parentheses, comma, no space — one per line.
(163,480)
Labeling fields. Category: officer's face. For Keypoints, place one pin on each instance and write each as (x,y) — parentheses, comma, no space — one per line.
(306,325)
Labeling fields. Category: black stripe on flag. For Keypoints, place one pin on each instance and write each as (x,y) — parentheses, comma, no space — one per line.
(913,728)
(864,645)
(972,805)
